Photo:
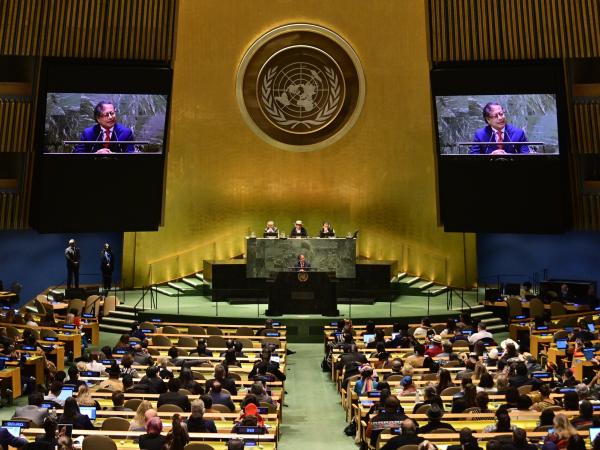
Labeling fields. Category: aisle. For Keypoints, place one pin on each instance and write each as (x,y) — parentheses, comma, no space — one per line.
(314,418)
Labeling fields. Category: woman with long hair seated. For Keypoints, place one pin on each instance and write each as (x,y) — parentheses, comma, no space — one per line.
(565,435)
(84,397)
(72,416)
(178,437)
(139,419)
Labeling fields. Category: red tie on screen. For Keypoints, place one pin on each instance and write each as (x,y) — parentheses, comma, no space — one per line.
(500,140)
(106,138)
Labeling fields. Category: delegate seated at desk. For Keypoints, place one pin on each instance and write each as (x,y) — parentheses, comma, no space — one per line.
(271,230)
(302,265)
(326,230)
(298,230)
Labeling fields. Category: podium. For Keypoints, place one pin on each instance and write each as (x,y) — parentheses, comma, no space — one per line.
(302,293)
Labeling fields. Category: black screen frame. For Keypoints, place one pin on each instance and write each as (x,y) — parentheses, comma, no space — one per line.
(489,193)
(92,192)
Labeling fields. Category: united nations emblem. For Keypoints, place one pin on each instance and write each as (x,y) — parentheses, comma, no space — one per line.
(300,87)
(302,277)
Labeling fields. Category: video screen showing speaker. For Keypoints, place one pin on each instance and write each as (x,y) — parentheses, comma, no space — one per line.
(101,140)
(502,139)
(515,124)
(88,123)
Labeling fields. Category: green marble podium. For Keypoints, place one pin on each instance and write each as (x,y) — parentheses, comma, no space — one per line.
(267,255)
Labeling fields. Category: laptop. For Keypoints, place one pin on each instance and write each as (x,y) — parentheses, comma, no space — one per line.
(2,364)
(561,344)
(593,433)
(589,353)
(368,338)
(15,431)
(89,411)
(591,327)
(65,393)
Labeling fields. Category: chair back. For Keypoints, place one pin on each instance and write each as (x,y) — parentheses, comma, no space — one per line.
(244,331)
(115,424)
(92,305)
(48,333)
(515,308)
(450,391)
(220,408)
(77,304)
(159,339)
(147,326)
(536,307)
(169,408)
(12,332)
(423,409)
(170,329)
(272,340)
(271,408)
(557,309)
(132,403)
(215,341)
(110,304)
(215,331)
(196,329)
(98,442)
(187,341)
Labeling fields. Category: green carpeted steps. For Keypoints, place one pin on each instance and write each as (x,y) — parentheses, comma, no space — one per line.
(183,288)
(119,321)
(492,321)
(194,282)
(410,285)
(165,290)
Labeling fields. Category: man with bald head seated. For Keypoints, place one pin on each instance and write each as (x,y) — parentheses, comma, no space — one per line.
(219,397)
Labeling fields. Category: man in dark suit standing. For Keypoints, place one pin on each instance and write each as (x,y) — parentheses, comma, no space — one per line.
(496,133)
(107,134)
(73,258)
(107,265)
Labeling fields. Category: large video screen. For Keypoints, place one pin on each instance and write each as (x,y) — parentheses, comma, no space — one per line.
(87,123)
(499,124)
(502,144)
(101,140)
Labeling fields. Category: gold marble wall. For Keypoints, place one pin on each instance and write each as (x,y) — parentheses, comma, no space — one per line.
(222,181)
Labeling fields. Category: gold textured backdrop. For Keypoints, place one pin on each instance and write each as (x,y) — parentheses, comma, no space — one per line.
(222,181)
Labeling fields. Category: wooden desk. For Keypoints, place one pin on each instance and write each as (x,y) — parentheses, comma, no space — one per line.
(535,340)
(14,375)
(7,297)
(92,330)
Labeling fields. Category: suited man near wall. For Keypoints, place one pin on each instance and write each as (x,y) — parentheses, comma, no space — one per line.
(496,132)
(73,258)
(107,265)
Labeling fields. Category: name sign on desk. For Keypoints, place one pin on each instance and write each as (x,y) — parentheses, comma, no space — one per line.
(265,256)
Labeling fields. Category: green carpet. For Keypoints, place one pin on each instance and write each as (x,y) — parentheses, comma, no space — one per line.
(314,417)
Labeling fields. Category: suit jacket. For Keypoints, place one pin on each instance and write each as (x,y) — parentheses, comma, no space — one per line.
(72,255)
(302,232)
(306,265)
(273,232)
(222,399)
(174,398)
(328,233)
(487,136)
(33,413)
(96,134)
(107,262)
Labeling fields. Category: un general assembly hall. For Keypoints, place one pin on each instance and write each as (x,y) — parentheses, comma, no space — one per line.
(280,225)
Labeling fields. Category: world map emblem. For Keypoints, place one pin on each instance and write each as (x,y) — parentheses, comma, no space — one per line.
(300,87)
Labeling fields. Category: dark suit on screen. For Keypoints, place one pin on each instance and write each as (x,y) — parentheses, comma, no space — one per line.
(96,134)
(487,136)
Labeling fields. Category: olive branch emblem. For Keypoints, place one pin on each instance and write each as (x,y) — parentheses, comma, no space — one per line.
(323,116)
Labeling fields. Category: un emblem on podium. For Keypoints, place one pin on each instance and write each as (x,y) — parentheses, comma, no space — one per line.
(302,277)
(300,87)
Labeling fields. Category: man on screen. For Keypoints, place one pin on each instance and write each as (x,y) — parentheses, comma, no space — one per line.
(106,134)
(496,133)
